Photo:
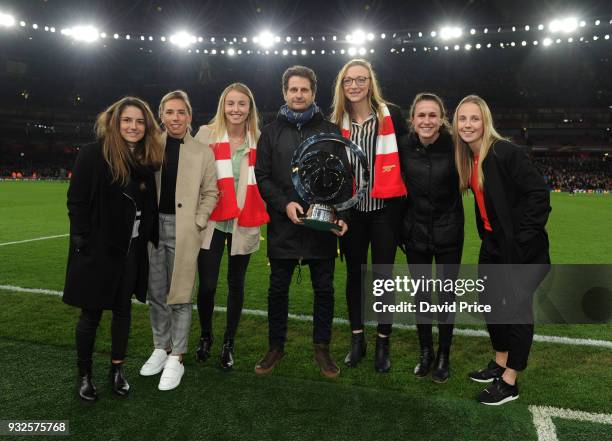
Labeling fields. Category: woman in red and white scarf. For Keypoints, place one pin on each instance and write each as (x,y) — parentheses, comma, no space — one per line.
(233,135)
(375,125)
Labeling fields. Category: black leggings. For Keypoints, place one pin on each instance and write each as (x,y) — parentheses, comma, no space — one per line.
(512,333)
(378,228)
(122,316)
(447,267)
(209,264)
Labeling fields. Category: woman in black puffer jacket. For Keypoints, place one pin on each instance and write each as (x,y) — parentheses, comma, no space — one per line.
(432,223)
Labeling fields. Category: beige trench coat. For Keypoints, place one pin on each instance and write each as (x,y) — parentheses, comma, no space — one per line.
(196,197)
(245,240)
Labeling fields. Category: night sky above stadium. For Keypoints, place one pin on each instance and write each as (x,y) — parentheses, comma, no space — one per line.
(315,16)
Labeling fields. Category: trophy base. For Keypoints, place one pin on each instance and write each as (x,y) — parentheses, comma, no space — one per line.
(320,225)
(321,217)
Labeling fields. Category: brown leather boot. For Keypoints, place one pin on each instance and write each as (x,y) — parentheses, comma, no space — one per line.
(267,364)
(328,367)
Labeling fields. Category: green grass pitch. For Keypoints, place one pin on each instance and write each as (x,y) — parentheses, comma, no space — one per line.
(295,402)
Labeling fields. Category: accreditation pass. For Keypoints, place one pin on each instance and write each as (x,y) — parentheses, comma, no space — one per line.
(34,427)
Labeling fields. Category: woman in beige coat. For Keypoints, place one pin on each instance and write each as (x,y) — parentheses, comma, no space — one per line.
(187,194)
(232,135)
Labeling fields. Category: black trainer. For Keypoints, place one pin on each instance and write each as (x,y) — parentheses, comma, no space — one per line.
(498,393)
(488,374)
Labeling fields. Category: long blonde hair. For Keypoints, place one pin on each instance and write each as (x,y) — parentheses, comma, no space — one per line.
(147,152)
(218,126)
(464,158)
(341,104)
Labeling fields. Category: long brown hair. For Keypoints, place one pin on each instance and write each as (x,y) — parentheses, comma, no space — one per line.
(341,105)
(147,152)
(464,158)
(218,126)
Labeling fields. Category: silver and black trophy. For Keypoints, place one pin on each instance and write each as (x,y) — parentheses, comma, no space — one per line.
(321,179)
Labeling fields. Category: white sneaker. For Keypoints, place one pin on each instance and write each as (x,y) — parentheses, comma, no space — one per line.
(154,364)
(173,372)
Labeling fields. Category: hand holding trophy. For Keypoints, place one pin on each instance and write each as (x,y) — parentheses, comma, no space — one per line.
(321,179)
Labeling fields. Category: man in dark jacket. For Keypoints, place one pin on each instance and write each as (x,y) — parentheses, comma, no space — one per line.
(289,242)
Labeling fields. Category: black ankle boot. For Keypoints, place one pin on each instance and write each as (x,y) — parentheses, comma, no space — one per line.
(425,360)
(117,380)
(226,361)
(86,389)
(358,349)
(441,371)
(203,350)
(382,363)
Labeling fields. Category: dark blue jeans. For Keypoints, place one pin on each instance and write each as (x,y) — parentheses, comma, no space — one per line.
(322,278)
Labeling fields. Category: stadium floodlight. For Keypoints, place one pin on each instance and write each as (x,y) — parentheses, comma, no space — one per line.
(304,52)
(265,39)
(447,32)
(183,39)
(383,36)
(547,41)
(7,20)
(86,34)
(352,51)
(370,36)
(231,52)
(357,37)
(565,25)
(285,52)
(433,33)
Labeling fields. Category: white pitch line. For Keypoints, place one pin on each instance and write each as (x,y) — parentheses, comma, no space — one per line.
(33,240)
(572,341)
(545,427)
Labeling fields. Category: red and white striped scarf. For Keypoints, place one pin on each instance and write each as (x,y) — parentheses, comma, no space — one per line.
(253,213)
(388,182)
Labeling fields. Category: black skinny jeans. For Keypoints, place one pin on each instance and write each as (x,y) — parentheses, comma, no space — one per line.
(322,277)
(378,228)
(122,317)
(447,267)
(209,264)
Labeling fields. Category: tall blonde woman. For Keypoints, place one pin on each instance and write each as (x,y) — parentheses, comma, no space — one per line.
(512,204)
(232,134)
(376,126)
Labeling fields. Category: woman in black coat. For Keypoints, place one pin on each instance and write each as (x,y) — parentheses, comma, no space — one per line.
(432,223)
(512,205)
(113,215)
